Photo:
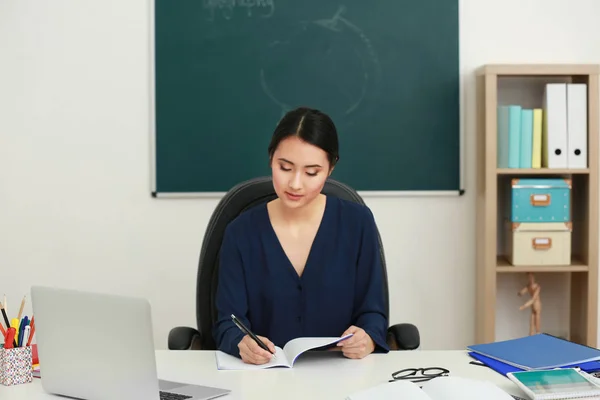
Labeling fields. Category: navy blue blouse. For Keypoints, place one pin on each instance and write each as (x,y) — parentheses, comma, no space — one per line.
(341,284)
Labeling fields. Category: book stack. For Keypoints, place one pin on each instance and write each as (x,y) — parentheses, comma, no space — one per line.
(551,136)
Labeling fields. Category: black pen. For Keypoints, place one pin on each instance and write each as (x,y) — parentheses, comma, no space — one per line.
(249,333)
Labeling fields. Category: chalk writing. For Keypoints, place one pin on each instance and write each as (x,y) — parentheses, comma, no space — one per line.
(366,53)
(260,8)
(335,24)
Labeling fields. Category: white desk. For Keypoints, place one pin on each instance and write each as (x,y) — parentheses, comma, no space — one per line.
(325,375)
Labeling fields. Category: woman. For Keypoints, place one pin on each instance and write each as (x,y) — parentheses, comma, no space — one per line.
(304,264)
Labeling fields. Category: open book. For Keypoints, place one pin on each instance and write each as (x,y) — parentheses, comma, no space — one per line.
(442,388)
(283,357)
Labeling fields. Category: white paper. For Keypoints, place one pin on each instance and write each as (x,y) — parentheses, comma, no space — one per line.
(456,388)
(392,390)
(443,388)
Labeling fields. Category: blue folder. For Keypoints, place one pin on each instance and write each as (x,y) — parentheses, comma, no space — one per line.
(541,351)
(496,365)
(503,369)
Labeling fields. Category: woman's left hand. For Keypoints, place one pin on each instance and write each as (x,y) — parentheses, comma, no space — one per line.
(358,345)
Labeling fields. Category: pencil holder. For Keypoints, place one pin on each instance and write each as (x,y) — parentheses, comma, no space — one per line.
(15,366)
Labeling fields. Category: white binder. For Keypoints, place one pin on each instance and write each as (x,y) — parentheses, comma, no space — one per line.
(554,133)
(577,125)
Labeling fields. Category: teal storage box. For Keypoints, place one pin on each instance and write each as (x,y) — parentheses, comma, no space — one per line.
(541,200)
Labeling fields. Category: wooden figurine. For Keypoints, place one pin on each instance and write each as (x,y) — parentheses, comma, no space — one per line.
(533,288)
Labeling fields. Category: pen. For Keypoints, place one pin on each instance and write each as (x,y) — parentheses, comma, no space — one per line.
(32,331)
(26,333)
(14,323)
(249,333)
(22,325)
(10,336)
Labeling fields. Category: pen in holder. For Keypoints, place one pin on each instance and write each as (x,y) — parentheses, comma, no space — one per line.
(15,365)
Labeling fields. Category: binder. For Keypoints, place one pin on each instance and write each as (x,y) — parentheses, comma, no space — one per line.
(514,136)
(536,156)
(577,125)
(509,136)
(503,138)
(526,150)
(504,368)
(554,141)
(540,351)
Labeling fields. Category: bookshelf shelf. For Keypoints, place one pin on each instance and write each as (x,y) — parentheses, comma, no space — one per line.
(525,85)
(504,266)
(541,171)
(527,70)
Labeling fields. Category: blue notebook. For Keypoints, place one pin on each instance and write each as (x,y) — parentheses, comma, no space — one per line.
(504,369)
(541,351)
(498,366)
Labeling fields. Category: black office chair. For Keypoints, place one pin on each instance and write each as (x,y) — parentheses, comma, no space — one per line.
(243,196)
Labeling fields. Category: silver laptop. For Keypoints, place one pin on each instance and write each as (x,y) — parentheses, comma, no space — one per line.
(100,346)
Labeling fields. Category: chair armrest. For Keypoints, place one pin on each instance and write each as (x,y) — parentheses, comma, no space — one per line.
(403,337)
(184,338)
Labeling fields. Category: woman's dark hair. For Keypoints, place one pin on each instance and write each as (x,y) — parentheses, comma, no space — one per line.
(310,125)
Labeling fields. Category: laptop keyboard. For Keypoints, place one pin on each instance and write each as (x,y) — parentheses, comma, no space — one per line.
(173,396)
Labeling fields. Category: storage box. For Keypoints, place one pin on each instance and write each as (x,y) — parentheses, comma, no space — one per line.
(15,366)
(541,200)
(539,243)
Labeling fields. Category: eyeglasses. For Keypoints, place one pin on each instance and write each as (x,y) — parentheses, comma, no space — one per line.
(419,374)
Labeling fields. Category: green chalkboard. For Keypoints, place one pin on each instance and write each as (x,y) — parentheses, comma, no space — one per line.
(386,71)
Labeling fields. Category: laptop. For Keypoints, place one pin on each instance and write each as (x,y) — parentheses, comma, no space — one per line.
(101,346)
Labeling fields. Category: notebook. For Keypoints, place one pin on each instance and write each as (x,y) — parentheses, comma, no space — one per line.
(555,384)
(283,357)
(540,351)
(443,388)
(496,365)
(502,368)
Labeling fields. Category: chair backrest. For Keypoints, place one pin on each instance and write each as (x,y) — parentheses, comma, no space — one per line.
(237,200)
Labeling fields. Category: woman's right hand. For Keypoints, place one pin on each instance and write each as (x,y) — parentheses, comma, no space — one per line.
(252,353)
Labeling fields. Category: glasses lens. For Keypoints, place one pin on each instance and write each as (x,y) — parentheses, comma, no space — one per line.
(434,371)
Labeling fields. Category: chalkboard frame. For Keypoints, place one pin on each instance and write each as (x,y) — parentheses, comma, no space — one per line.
(156,193)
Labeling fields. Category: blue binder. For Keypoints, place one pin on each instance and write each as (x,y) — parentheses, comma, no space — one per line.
(503,369)
(541,351)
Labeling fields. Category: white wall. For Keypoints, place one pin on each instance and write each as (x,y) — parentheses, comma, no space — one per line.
(75,208)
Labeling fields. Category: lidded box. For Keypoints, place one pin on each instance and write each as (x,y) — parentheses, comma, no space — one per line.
(541,200)
(539,243)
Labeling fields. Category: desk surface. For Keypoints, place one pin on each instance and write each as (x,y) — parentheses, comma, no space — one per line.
(326,375)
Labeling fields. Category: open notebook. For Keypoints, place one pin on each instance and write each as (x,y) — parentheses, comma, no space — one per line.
(283,357)
(563,383)
(443,388)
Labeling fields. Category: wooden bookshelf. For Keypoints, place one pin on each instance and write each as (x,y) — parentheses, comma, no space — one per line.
(582,325)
